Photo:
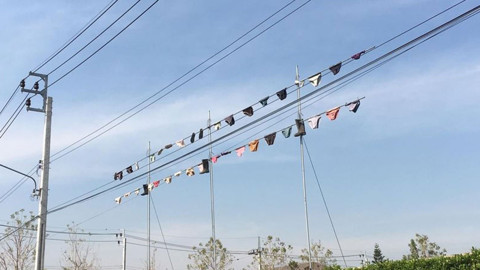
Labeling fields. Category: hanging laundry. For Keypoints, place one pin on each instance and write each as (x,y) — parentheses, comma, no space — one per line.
(299,83)
(136,166)
(159,152)
(315,79)
(353,107)
(270,138)
(215,159)
(286,131)
(248,111)
(313,121)
(230,120)
(126,194)
(137,191)
(264,101)
(253,146)
(145,190)
(217,126)
(168,180)
(118,200)
(180,143)
(300,127)
(357,55)
(190,172)
(203,167)
(150,187)
(118,176)
(192,138)
(129,169)
(152,158)
(336,68)
(156,183)
(168,146)
(177,174)
(282,94)
(226,153)
(200,134)
(332,114)
(240,151)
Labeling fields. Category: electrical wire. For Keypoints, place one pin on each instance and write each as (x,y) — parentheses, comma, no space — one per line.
(77,35)
(176,80)
(161,231)
(103,46)
(325,202)
(9,99)
(405,47)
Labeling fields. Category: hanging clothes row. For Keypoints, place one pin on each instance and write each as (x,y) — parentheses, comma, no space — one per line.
(252,146)
(248,111)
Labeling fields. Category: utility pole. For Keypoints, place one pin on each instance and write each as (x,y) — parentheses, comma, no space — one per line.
(259,255)
(212,193)
(148,207)
(42,208)
(124,261)
(300,126)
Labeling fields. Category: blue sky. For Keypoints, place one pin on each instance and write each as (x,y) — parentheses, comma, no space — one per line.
(405,163)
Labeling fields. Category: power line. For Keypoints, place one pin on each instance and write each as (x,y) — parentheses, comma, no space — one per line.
(103,46)
(13,117)
(176,80)
(405,47)
(91,41)
(72,39)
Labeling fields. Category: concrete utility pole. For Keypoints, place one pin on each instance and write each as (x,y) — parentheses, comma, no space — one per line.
(42,208)
(124,261)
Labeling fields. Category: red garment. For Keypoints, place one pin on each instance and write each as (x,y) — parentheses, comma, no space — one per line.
(332,114)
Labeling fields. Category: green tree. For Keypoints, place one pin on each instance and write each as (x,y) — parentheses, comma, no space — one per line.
(421,247)
(17,251)
(319,255)
(274,253)
(202,259)
(79,255)
(377,254)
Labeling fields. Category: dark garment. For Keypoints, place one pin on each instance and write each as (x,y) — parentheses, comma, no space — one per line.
(230,120)
(168,146)
(282,94)
(145,190)
(118,176)
(354,106)
(204,166)
(159,152)
(248,111)
(200,134)
(300,127)
(270,138)
(225,153)
(129,169)
(357,55)
(336,68)
(264,101)
(192,139)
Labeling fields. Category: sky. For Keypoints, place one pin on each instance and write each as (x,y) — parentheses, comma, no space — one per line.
(405,163)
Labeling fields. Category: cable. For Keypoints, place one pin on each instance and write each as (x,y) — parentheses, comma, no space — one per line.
(16,186)
(103,46)
(95,38)
(176,80)
(161,231)
(14,116)
(72,39)
(325,202)
(427,36)
(9,99)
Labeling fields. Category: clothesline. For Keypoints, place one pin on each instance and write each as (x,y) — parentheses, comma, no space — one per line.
(248,111)
(203,166)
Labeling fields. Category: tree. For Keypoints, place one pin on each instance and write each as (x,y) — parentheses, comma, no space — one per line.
(319,255)
(17,251)
(421,247)
(79,255)
(274,253)
(377,254)
(203,256)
